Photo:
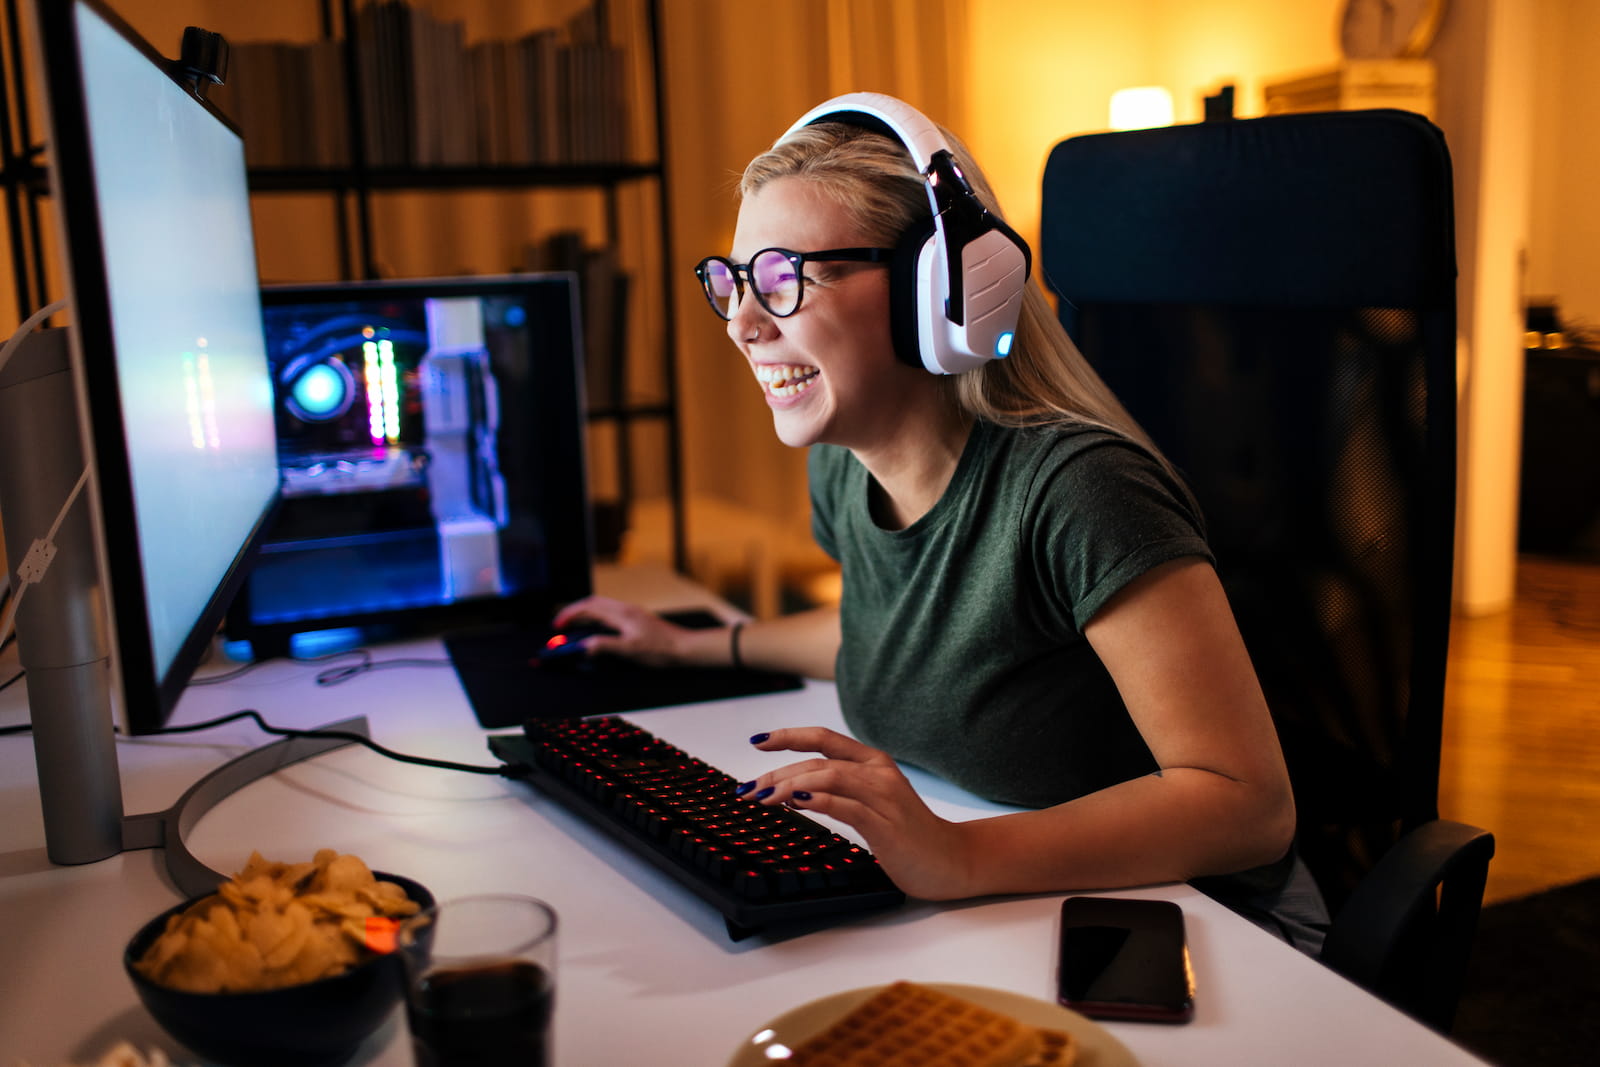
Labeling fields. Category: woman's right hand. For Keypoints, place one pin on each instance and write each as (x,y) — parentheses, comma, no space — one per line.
(641,634)
(805,643)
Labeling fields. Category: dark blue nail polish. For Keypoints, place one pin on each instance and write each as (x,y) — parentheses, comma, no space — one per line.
(765,793)
(742,788)
(799,794)
(758,738)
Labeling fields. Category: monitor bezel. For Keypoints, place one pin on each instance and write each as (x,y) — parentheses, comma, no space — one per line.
(146,698)
(572,547)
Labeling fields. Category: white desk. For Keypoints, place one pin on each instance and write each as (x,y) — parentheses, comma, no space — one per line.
(648,974)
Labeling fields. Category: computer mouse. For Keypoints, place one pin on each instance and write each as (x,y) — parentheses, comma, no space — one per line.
(566,649)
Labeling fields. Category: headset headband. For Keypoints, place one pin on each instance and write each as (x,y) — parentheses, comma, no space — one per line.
(962,293)
(894,118)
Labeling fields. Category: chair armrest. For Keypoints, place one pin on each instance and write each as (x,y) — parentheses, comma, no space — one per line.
(1406,932)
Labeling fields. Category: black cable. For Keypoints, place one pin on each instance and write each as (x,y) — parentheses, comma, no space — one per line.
(239,672)
(228,676)
(333,675)
(505,770)
(336,675)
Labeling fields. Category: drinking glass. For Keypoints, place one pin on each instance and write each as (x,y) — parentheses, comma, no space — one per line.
(480,981)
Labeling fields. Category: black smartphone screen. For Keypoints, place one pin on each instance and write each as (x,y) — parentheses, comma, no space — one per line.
(1125,959)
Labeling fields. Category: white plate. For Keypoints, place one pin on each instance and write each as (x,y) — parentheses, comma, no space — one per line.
(1097,1047)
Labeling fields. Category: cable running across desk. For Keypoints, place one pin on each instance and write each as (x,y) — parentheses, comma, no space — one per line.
(513,771)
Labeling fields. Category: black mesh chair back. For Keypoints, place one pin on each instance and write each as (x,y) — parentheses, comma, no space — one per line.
(1274,300)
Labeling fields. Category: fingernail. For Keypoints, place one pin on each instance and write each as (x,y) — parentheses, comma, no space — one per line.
(799,794)
(742,788)
(758,738)
(765,793)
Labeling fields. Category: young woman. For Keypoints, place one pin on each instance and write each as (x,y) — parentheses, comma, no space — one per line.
(1029,606)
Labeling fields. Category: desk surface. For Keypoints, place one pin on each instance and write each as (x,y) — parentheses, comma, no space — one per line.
(648,974)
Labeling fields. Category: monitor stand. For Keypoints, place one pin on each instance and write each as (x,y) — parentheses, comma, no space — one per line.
(61,637)
(168,829)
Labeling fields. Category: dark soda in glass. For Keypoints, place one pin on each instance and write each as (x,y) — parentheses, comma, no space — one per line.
(493,1016)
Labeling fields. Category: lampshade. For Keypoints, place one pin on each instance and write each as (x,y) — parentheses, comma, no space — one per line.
(1141,107)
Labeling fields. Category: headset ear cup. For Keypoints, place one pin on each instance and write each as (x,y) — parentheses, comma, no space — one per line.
(905,300)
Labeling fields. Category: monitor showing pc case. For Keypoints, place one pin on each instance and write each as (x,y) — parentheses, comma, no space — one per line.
(431,445)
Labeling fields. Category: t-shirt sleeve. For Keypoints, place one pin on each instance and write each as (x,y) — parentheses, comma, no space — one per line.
(1103,515)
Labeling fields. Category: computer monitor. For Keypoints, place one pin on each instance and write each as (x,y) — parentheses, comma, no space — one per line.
(154,206)
(430,440)
(172,413)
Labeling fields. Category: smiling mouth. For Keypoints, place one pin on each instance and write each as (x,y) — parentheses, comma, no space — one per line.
(785,379)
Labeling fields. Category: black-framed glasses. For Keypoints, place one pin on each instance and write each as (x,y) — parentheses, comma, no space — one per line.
(776,276)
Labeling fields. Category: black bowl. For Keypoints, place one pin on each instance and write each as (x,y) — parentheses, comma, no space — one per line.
(316,1023)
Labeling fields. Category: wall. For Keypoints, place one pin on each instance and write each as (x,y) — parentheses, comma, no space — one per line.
(1486,93)
(1563,261)
(1043,71)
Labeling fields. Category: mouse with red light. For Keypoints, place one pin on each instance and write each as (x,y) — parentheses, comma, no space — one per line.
(569,647)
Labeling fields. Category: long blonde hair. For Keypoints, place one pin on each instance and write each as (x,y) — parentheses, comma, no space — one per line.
(1045,380)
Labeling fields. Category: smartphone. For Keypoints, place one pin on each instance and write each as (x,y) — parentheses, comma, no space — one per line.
(1125,959)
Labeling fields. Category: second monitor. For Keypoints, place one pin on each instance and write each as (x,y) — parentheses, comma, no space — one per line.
(431,443)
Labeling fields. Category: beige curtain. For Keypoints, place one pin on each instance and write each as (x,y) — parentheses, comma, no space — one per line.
(738,74)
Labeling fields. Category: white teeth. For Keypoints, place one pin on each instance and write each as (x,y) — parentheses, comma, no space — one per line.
(782,379)
(790,390)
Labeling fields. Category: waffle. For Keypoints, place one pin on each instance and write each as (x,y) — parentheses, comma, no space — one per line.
(906,1023)
(1058,1049)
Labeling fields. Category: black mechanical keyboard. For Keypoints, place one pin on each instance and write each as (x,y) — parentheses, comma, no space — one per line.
(758,864)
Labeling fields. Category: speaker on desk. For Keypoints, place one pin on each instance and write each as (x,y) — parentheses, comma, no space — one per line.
(1559,509)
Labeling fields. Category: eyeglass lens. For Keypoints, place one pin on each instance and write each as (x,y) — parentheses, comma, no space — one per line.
(774,274)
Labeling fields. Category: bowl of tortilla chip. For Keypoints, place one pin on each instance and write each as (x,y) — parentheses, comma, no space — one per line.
(285,963)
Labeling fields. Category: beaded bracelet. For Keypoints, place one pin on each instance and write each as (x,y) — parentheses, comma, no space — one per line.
(733,645)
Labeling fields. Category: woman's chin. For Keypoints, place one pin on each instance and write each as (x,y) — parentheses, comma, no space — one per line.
(797,425)
(792,435)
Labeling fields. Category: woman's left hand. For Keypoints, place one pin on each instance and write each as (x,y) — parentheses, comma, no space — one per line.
(864,788)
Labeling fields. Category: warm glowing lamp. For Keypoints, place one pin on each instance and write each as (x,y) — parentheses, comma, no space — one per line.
(1141,108)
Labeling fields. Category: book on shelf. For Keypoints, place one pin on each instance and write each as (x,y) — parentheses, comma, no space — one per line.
(383,49)
(329,107)
(486,72)
(603,291)
(545,109)
(427,98)
(289,102)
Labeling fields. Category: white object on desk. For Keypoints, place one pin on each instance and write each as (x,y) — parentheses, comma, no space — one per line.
(1095,1044)
(648,974)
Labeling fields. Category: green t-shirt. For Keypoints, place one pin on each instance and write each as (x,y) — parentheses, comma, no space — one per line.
(963,651)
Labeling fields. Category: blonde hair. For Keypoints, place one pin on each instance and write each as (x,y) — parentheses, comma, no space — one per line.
(1045,380)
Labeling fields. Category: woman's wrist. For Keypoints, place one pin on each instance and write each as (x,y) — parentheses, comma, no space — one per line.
(964,843)
(711,646)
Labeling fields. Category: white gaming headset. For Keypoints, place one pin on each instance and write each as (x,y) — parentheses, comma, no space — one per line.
(957,286)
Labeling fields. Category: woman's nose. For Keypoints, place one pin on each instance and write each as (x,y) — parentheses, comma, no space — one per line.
(748,320)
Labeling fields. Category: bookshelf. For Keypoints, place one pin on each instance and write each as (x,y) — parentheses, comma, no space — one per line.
(392,98)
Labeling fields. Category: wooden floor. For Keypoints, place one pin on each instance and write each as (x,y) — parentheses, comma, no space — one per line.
(1521,751)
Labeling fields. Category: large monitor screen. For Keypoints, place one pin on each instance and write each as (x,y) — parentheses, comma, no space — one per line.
(430,440)
(154,203)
